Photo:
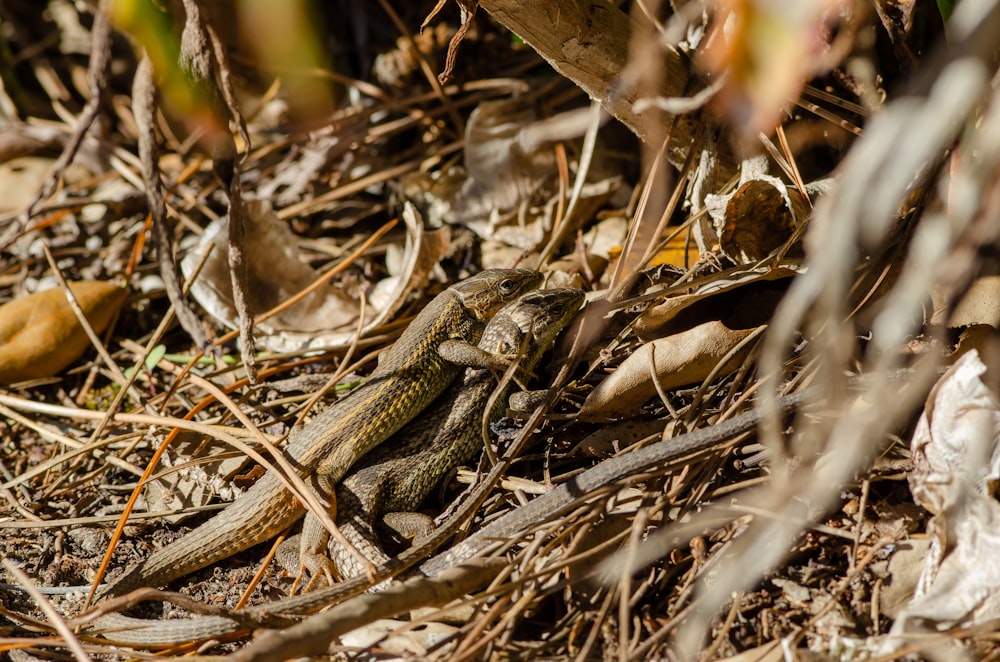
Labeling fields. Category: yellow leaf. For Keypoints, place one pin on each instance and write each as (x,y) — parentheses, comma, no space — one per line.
(767,49)
(40,335)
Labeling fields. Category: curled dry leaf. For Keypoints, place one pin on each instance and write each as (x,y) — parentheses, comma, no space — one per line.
(684,358)
(956,464)
(502,169)
(762,214)
(40,334)
(760,217)
(957,435)
(747,291)
(499,172)
(979,337)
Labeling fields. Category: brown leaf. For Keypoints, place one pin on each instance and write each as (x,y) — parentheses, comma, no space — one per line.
(978,305)
(684,358)
(904,568)
(738,296)
(762,214)
(758,220)
(327,317)
(40,335)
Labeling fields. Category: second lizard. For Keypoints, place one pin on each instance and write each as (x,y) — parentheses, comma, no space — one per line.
(409,377)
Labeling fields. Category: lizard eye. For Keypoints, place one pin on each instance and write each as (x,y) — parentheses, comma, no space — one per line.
(508,286)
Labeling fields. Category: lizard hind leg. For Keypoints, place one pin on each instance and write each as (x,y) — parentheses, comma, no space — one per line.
(408,525)
(298,564)
(312,554)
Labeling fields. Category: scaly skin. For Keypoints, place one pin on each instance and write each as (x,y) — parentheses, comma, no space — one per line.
(408,378)
(399,475)
(512,526)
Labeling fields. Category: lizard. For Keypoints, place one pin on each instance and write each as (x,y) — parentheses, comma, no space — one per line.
(409,376)
(514,524)
(398,476)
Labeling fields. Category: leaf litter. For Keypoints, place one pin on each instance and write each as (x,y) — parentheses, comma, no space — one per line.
(811,260)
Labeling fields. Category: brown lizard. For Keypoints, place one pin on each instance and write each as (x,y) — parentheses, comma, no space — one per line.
(412,373)
(506,528)
(397,477)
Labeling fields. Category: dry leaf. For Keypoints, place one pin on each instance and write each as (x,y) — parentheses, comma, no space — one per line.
(392,637)
(746,292)
(20,180)
(209,474)
(979,337)
(507,160)
(767,50)
(326,317)
(956,465)
(904,568)
(684,358)
(606,237)
(501,169)
(680,251)
(40,335)
(957,436)
(760,219)
(979,305)
(762,214)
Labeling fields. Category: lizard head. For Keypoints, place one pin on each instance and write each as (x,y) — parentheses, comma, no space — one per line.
(543,314)
(490,290)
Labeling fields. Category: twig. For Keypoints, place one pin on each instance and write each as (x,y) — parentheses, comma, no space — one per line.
(55,618)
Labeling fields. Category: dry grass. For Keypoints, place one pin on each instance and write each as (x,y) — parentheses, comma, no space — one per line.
(783,538)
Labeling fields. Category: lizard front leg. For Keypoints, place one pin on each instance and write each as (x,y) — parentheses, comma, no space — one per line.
(315,538)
